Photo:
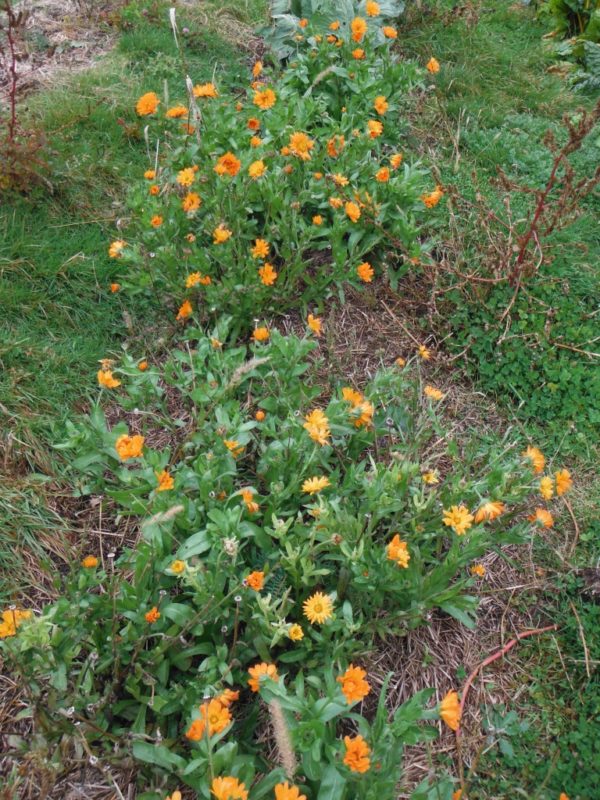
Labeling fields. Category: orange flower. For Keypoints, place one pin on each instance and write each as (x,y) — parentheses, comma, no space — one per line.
(176,112)
(433,65)
(221,234)
(114,287)
(150,174)
(315,324)
(547,488)
(389,32)
(317,426)
(153,615)
(563,481)
(11,620)
(143,366)
(352,211)
(365,272)
(257,69)
(234,447)
(147,104)
(382,175)
(340,180)
(303,23)
(208,90)
(357,754)
(354,685)
(358,54)
(255,141)
(458,518)
(89,562)
(335,26)
(253,124)
(185,177)
(358,26)
(283,791)
(375,128)
(191,202)
(257,671)
(256,581)
(264,99)
(129,446)
(424,353)
(154,190)
(318,608)
(105,378)
(185,310)
(396,160)
(228,789)
(380,105)
(177,567)
(317,220)
(397,551)
(489,511)
(478,570)
(267,274)
(261,334)
(260,415)
(165,481)
(433,393)
(432,198)
(372,8)
(227,697)
(261,248)
(450,710)
(336,202)
(542,518)
(248,498)
(257,169)
(335,145)
(537,459)
(228,164)
(300,145)
(156,221)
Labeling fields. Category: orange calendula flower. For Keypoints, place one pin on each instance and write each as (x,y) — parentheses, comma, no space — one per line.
(375,128)
(114,287)
(89,562)
(12,618)
(129,446)
(255,141)
(547,488)
(165,481)
(253,124)
(340,180)
(234,447)
(248,498)
(176,112)
(431,199)
(430,477)
(352,396)
(115,249)
(459,518)
(382,175)
(315,324)
(260,415)
(261,334)
(228,789)
(335,26)
(358,27)
(358,54)
(563,481)
(352,211)
(365,272)
(264,99)
(156,221)
(177,567)
(397,551)
(478,570)
(300,145)
(257,169)
(317,220)
(400,362)
(256,581)
(542,518)
(315,485)
(335,145)
(424,353)
(153,615)
(372,8)
(318,608)
(389,32)
(214,715)
(228,697)
(257,69)
(221,234)
(206,90)
(433,393)
(193,280)
(185,310)
(185,177)
(106,379)
(228,164)
(267,274)
(433,65)
(256,673)
(357,754)
(336,202)
(354,685)
(489,511)
(143,366)
(260,249)
(450,710)
(563,796)
(150,174)
(295,633)
(147,104)
(283,791)
(381,105)
(537,458)
(191,202)
(317,426)
(396,160)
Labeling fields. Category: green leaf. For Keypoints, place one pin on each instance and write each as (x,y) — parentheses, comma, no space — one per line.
(333,785)
(159,755)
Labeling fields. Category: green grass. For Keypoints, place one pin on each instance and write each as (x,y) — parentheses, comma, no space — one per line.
(57,315)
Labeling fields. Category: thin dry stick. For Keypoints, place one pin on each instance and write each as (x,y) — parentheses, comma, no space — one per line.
(394,317)
(575,525)
(586,653)
(494,657)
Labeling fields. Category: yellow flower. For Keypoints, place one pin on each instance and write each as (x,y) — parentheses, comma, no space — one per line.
(318,608)
(295,633)
(129,446)
(89,562)
(256,581)
(257,671)
(283,791)
(234,447)
(340,180)
(365,272)
(185,177)
(352,211)
(153,615)
(478,570)
(264,99)
(458,518)
(221,234)
(397,551)
(433,393)
(228,789)
(450,710)
(114,251)
(358,26)
(176,112)
(267,274)
(389,32)
(261,334)
(316,484)
(357,754)
(105,378)
(208,90)
(489,511)
(430,477)
(315,324)
(317,219)
(542,518)
(191,202)
(317,426)
(147,104)
(432,198)
(537,458)
(301,145)
(547,488)
(257,169)
(215,343)
(228,164)
(175,796)
(382,175)
(165,481)
(354,686)
(261,248)
(563,481)
(177,567)
(185,310)
(372,8)
(433,65)
(375,128)
(424,353)
(381,105)
(11,620)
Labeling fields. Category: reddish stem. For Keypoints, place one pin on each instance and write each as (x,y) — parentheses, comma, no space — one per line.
(12,89)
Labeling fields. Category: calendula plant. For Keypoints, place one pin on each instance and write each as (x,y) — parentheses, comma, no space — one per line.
(270,197)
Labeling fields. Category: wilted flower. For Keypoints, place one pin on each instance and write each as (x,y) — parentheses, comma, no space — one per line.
(433,65)
(563,481)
